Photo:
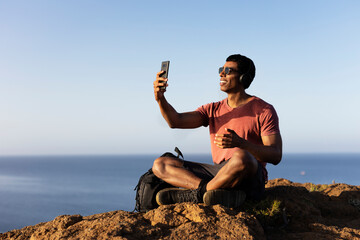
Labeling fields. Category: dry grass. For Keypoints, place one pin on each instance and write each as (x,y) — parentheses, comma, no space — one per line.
(318,187)
(269,212)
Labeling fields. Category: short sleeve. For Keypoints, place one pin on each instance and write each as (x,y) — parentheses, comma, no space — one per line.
(269,122)
(204,111)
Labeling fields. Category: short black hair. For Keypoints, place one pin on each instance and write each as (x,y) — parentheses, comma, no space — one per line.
(245,67)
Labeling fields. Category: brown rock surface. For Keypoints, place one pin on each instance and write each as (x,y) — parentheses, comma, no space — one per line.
(308,211)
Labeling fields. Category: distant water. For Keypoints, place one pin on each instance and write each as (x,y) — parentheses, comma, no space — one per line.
(37,189)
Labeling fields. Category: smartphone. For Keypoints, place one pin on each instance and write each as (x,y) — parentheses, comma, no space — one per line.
(165,67)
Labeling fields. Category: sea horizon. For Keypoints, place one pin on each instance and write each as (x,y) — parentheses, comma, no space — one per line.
(152,153)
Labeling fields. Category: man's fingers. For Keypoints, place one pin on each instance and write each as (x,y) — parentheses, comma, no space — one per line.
(158,89)
(223,137)
(160,83)
(159,73)
(222,141)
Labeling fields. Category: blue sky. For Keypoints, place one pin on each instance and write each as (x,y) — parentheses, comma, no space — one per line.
(76,76)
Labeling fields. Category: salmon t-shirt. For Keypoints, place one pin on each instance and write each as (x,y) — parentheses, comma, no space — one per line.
(250,121)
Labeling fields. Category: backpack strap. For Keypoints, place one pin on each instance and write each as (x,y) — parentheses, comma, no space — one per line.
(178,152)
(169,154)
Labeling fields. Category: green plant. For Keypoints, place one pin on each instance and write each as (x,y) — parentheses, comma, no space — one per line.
(268,211)
(318,188)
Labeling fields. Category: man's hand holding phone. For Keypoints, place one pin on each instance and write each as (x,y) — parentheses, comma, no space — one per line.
(160,85)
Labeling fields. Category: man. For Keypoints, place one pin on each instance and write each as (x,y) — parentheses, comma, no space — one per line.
(244,134)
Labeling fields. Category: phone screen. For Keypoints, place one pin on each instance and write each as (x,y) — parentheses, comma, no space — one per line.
(165,67)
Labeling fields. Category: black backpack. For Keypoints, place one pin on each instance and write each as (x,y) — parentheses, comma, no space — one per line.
(149,185)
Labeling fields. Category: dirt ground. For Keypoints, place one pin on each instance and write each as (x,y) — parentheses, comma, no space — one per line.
(307,211)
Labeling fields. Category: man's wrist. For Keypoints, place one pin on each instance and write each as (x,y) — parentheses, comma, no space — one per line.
(159,98)
(246,145)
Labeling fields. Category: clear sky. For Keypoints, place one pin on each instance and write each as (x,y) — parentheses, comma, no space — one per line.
(76,77)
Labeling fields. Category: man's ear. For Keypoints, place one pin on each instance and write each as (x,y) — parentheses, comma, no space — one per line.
(245,79)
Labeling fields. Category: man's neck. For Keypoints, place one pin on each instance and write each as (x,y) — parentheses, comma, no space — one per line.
(238,99)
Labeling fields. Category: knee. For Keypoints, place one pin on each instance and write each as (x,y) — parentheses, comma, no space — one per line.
(242,160)
(158,167)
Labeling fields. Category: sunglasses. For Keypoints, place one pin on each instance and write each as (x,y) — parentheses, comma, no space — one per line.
(227,70)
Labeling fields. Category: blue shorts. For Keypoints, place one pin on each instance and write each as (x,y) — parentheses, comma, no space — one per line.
(254,187)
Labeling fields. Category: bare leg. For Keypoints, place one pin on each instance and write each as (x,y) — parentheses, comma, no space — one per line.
(171,171)
(240,166)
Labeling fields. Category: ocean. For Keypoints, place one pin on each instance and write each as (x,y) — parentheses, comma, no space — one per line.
(36,189)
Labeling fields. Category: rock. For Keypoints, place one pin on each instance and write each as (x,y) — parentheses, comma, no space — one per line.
(307,211)
(180,221)
(317,211)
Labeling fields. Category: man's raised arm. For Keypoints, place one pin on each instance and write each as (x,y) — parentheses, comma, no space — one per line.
(172,117)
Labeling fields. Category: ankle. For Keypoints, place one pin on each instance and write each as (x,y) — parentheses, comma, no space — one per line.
(202,188)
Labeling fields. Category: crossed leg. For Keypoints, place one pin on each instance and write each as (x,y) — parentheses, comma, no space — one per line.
(240,166)
(171,171)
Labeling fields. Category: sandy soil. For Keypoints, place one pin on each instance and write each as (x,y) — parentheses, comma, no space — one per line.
(307,211)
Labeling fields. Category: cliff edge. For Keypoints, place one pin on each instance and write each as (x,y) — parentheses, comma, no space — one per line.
(289,211)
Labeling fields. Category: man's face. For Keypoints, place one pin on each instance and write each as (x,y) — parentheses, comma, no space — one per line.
(230,82)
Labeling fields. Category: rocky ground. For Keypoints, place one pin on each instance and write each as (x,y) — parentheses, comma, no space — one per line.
(290,211)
